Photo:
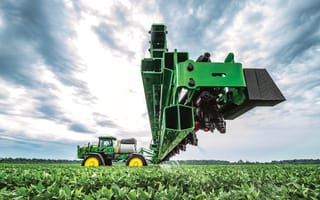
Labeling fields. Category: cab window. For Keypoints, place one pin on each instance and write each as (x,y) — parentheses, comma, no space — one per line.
(106,143)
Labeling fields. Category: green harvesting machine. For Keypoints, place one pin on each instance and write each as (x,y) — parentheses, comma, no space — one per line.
(184,96)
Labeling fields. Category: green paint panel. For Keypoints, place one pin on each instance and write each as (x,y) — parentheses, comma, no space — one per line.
(166,87)
(206,74)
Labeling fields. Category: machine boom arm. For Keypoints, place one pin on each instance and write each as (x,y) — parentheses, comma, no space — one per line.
(184,96)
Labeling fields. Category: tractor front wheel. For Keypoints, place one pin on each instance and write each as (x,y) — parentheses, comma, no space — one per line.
(136,160)
(91,161)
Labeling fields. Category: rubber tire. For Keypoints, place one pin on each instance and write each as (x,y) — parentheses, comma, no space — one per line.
(90,156)
(144,162)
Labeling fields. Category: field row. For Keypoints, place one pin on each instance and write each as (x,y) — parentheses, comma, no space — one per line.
(34,181)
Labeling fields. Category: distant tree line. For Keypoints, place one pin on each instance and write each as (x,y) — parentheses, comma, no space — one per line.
(297,161)
(224,162)
(36,161)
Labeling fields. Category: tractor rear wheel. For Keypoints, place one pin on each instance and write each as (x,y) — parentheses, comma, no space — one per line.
(91,161)
(136,160)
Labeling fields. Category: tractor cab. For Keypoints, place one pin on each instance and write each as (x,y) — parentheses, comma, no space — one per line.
(106,143)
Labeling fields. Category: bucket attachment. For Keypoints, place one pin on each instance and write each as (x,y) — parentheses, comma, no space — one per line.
(261,91)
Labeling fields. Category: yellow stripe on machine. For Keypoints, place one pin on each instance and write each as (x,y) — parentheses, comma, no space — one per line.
(117,147)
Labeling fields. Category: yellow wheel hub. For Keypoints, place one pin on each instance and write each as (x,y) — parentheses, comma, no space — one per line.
(91,162)
(135,162)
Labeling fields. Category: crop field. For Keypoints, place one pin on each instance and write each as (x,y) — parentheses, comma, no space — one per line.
(68,181)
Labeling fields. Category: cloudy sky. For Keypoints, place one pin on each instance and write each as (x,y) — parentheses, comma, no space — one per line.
(70,71)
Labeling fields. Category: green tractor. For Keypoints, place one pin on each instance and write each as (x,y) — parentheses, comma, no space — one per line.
(110,149)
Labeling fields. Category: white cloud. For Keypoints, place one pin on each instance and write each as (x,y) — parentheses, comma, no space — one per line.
(111,76)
